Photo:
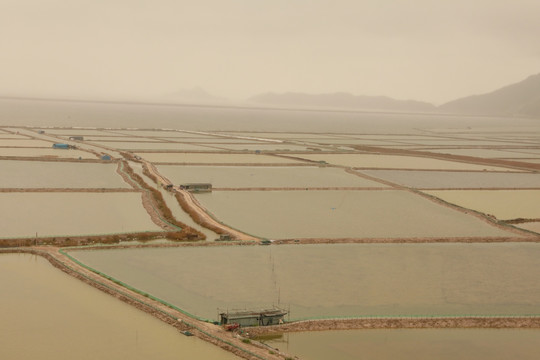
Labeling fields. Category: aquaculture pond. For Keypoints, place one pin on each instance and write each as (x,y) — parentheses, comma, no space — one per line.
(27,143)
(503,204)
(278,147)
(457,179)
(46,152)
(265,176)
(72,213)
(215,158)
(139,145)
(397,162)
(341,214)
(342,280)
(482,153)
(56,174)
(411,344)
(48,315)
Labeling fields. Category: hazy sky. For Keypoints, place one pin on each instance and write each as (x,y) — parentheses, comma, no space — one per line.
(433,50)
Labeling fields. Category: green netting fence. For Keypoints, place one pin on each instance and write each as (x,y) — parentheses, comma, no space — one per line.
(192,325)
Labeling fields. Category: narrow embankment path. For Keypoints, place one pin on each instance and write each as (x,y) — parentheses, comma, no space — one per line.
(197,208)
(465,322)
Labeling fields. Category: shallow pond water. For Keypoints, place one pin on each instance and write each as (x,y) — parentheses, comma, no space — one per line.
(260,176)
(50,174)
(457,179)
(46,314)
(278,147)
(46,152)
(126,145)
(341,214)
(215,158)
(335,280)
(57,214)
(503,204)
(412,344)
(25,143)
(397,162)
(482,153)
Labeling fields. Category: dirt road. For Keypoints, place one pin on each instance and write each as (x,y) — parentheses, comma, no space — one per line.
(196,207)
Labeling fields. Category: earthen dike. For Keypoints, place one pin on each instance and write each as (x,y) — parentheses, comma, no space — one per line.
(233,342)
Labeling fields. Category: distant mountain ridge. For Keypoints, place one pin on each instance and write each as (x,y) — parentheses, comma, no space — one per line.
(522,98)
(341,100)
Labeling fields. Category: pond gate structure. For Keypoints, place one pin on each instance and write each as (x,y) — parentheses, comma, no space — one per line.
(197,187)
(253,317)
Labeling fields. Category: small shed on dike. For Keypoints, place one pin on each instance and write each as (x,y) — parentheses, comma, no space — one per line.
(253,318)
(61,146)
(196,187)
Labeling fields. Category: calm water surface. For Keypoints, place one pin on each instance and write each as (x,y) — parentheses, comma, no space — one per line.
(45,174)
(457,179)
(48,315)
(503,204)
(335,280)
(265,176)
(412,344)
(341,214)
(77,213)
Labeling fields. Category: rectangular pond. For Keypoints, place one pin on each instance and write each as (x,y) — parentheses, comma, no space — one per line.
(5,135)
(138,145)
(279,135)
(63,318)
(457,179)
(411,344)
(261,176)
(531,226)
(215,140)
(76,132)
(215,158)
(503,204)
(30,143)
(158,133)
(341,214)
(56,214)
(483,153)
(397,162)
(343,280)
(50,174)
(277,147)
(46,152)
